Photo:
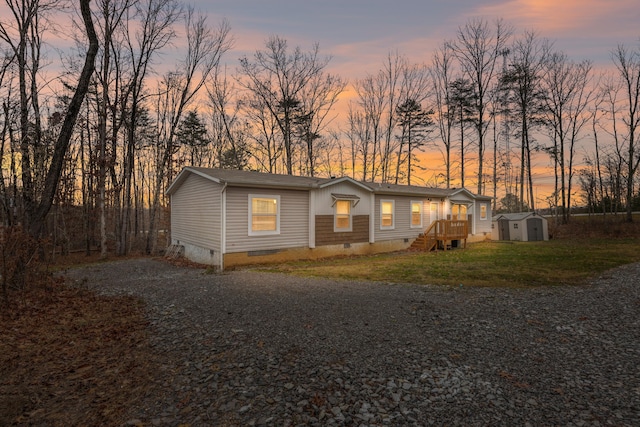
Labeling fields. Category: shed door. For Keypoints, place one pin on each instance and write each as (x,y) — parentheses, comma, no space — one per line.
(503,229)
(534,229)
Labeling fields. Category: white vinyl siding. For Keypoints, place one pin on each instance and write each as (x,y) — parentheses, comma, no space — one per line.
(402,219)
(324,201)
(294,220)
(483,225)
(195,213)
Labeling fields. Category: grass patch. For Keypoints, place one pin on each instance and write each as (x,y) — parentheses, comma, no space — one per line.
(495,264)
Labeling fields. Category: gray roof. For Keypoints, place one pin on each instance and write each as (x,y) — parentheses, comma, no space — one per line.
(382,188)
(519,216)
(269,180)
(239,177)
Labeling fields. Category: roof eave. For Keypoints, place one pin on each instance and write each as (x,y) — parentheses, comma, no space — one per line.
(334,181)
(184,173)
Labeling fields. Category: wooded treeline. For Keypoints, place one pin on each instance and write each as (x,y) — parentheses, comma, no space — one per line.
(490,101)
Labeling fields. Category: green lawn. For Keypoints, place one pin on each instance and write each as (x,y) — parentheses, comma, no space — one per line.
(499,264)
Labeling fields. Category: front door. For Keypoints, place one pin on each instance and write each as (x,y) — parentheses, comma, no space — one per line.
(433,212)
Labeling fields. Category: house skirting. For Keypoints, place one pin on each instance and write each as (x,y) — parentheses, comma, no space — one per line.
(282,255)
(478,237)
(215,258)
(200,255)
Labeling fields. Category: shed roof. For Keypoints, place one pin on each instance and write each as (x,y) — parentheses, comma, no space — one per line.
(519,216)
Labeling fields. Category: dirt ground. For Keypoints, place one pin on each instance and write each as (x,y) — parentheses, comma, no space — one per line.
(69,357)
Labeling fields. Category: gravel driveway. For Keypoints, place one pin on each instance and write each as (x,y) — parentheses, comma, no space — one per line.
(249,348)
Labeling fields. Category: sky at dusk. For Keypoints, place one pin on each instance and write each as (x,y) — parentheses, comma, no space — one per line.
(358,34)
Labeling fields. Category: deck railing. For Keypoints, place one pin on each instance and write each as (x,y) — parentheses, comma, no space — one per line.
(443,231)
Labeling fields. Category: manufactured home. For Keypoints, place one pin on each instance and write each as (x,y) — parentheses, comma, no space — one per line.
(226,218)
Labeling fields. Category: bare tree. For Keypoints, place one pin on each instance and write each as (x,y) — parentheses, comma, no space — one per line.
(230,132)
(178,89)
(108,99)
(8,176)
(568,95)
(365,123)
(613,164)
(477,49)
(373,117)
(318,98)
(390,76)
(26,15)
(22,38)
(597,114)
(442,77)
(627,63)
(153,20)
(525,100)
(279,79)
(267,142)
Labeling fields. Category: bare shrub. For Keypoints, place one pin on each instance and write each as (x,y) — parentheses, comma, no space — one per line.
(596,226)
(21,261)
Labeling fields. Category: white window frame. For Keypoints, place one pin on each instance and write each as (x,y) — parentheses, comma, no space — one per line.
(393,215)
(250,209)
(337,229)
(421,205)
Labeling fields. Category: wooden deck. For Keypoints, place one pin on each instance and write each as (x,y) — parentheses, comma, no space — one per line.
(441,233)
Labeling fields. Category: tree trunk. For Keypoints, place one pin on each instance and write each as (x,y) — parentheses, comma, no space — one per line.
(38,214)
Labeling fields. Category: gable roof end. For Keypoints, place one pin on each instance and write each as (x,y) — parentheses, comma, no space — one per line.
(327,182)
(182,176)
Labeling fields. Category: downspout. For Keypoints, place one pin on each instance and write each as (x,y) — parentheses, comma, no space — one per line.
(372,218)
(312,220)
(223,225)
(476,217)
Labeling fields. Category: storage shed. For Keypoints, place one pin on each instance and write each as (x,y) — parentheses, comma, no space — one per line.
(524,226)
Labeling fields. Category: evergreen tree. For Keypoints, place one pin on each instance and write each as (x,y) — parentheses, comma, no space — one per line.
(461,109)
(415,124)
(192,134)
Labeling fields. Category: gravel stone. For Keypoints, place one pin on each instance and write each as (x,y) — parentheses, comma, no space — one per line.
(266,349)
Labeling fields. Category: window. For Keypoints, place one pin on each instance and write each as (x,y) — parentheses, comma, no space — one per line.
(342,216)
(459,212)
(416,214)
(483,211)
(264,215)
(386,214)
